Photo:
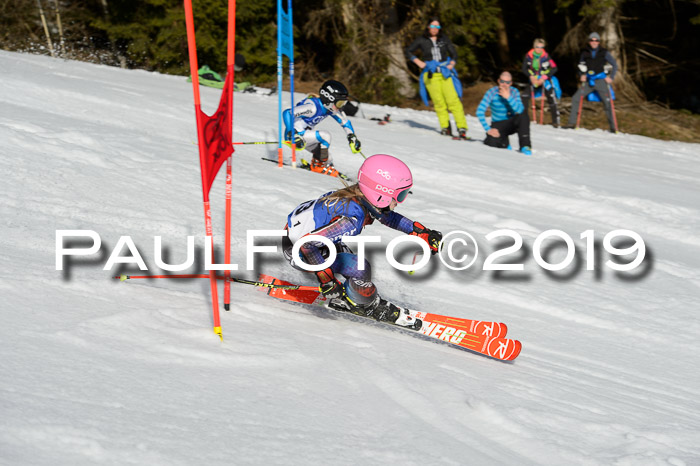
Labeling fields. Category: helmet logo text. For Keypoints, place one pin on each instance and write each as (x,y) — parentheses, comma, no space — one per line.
(386,175)
(327,95)
(384,189)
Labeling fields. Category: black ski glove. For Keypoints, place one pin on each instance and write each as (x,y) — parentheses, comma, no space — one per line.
(354,143)
(330,287)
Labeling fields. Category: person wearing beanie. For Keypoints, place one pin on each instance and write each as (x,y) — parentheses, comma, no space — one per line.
(597,69)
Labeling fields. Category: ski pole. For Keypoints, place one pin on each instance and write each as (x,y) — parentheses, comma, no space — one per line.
(124,277)
(612,106)
(532,101)
(415,256)
(257,142)
(363,155)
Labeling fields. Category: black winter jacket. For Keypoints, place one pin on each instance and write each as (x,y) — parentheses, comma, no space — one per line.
(443,43)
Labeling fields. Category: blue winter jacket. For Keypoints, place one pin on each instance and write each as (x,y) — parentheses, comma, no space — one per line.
(501,109)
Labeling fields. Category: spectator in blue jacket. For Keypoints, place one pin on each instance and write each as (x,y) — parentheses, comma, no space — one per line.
(508,115)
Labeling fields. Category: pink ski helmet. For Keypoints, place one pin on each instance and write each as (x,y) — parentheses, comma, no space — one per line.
(383,178)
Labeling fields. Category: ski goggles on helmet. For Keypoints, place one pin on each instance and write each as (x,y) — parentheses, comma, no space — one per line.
(403,194)
(341,103)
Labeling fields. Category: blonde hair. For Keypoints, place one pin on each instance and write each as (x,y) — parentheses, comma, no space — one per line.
(343,196)
(539,41)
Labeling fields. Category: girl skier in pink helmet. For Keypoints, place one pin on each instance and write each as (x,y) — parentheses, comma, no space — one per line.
(383,182)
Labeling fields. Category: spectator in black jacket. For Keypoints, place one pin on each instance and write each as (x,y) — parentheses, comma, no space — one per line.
(438,77)
(594,64)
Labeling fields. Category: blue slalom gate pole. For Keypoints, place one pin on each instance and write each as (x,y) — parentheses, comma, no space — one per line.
(285,46)
(291,78)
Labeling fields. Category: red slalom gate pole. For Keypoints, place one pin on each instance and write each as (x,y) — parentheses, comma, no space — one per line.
(230,57)
(612,105)
(542,107)
(580,109)
(532,99)
(192,49)
(227,234)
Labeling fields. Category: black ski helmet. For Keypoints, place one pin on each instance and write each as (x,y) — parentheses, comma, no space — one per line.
(333,93)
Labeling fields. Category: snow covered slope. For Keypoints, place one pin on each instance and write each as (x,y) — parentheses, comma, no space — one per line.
(94,371)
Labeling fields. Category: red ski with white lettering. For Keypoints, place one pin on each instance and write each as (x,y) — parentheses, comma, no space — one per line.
(484,343)
(482,337)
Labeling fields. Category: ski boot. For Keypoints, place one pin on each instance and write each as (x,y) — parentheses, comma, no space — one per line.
(461,135)
(385,311)
(446,131)
(324,168)
(379,309)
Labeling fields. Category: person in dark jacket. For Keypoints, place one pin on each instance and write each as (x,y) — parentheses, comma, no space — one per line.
(593,67)
(439,78)
(539,67)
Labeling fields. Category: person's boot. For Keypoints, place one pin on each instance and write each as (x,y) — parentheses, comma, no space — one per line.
(323,167)
(446,131)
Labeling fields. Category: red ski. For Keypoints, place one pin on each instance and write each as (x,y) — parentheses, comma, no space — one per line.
(482,337)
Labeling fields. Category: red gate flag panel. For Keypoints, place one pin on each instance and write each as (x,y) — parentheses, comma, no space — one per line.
(217,137)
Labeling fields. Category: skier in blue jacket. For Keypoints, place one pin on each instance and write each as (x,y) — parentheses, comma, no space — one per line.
(507,115)
(311,111)
(383,182)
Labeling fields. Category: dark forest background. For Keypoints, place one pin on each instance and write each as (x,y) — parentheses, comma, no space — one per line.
(361,42)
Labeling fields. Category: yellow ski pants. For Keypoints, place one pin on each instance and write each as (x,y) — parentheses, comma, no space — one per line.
(444,96)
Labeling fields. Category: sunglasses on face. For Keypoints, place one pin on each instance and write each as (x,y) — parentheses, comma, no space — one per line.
(504,82)
(594,40)
(539,46)
(341,103)
(433,26)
